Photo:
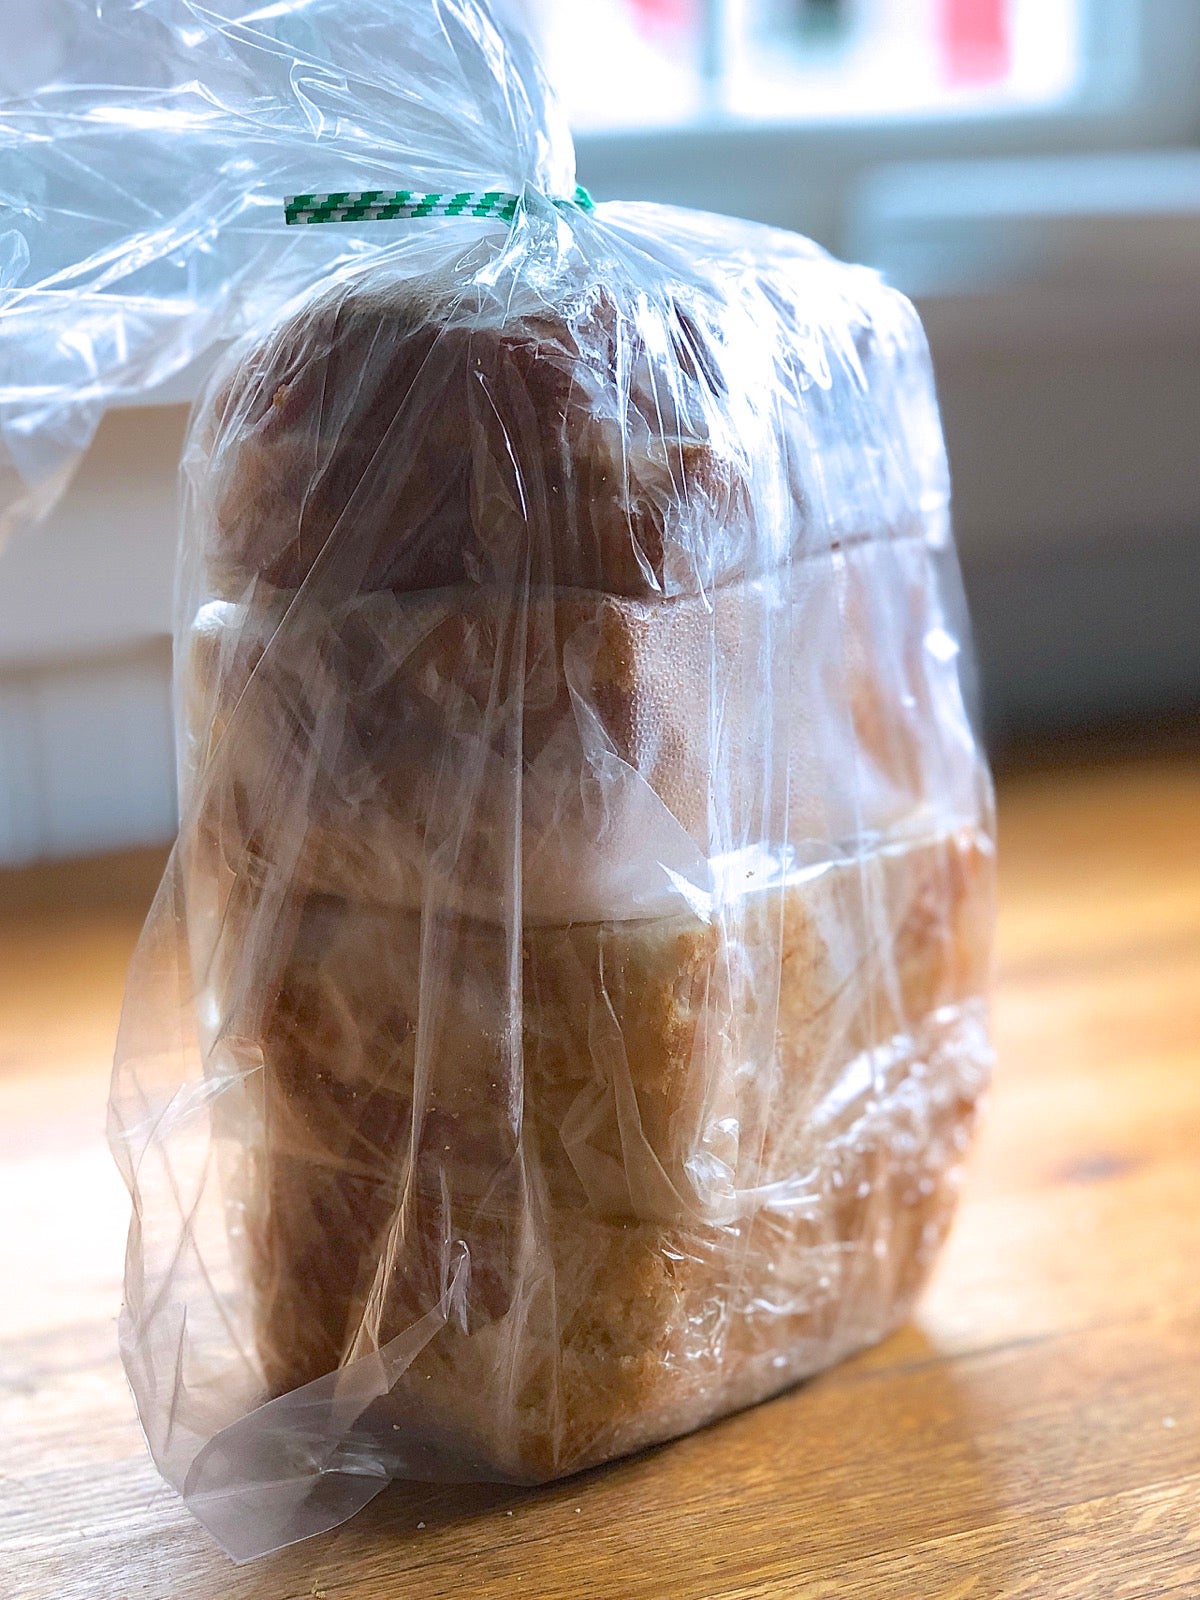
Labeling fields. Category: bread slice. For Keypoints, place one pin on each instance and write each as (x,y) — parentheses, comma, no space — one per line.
(646,436)
(637,1172)
(610,755)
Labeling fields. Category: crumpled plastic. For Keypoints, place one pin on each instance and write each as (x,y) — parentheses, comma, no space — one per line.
(141,183)
(564,1015)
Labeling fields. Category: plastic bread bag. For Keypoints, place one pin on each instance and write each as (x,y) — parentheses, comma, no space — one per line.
(564,1016)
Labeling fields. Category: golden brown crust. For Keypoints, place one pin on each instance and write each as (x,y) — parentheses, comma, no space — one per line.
(384,439)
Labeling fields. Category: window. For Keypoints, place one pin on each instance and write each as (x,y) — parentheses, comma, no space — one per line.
(631,63)
(819,58)
(787,110)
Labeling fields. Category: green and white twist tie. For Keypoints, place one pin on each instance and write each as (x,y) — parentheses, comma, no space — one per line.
(388,205)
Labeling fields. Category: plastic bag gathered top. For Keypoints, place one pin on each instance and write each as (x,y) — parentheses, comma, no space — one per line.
(564,1018)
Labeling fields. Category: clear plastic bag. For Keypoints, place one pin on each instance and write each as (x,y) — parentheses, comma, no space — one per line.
(564,1016)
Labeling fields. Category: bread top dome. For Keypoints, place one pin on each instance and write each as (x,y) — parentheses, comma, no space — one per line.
(570,429)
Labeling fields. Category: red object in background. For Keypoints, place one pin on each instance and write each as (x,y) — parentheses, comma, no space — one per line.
(975,37)
(663,16)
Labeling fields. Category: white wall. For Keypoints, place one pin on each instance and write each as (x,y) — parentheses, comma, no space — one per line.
(86,755)
(86,760)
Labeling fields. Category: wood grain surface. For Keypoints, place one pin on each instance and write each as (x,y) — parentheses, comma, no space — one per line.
(1035,1432)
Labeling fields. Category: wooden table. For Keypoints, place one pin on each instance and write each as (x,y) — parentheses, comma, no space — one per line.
(1035,1431)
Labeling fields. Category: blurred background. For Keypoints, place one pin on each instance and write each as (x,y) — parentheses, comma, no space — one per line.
(1028,170)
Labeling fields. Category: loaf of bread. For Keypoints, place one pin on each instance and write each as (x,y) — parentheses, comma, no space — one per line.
(587,853)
